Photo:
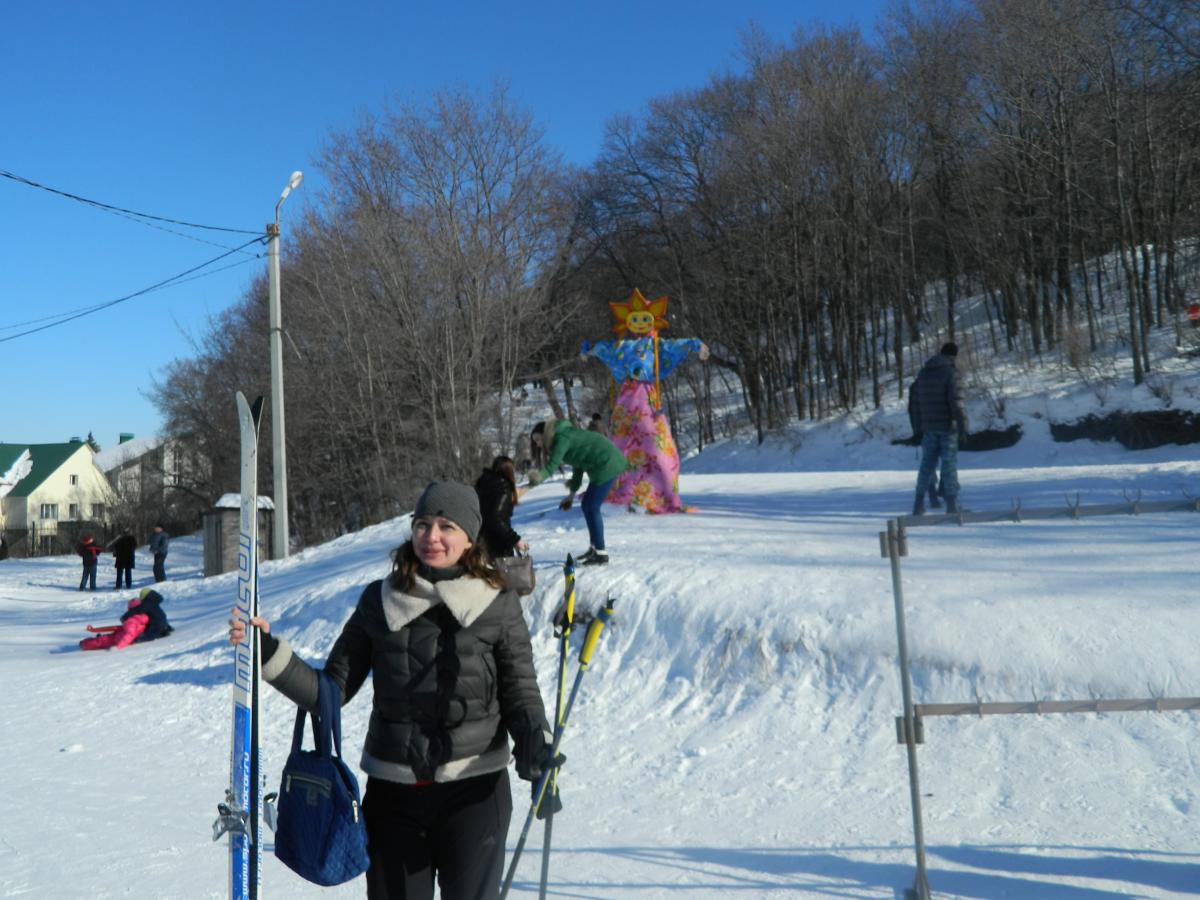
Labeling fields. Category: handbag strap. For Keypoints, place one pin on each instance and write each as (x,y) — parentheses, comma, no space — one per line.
(326,720)
(329,702)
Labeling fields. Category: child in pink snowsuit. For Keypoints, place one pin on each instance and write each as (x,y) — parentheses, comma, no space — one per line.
(144,619)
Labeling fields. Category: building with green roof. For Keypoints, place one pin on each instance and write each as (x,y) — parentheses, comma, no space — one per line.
(48,493)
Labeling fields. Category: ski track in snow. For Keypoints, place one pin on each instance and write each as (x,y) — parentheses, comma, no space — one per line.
(735,734)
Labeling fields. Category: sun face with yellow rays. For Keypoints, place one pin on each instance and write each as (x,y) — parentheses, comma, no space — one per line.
(639,316)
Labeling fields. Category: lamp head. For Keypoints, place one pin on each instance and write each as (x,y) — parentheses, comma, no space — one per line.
(293,182)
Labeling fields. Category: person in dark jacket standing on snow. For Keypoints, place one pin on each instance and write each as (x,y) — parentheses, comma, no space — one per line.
(452,673)
(123,550)
(158,546)
(914,420)
(498,494)
(936,410)
(88,549)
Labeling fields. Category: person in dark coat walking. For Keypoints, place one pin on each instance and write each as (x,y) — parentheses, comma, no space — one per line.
(936,410)
(498,494)
(914,420)
(88,549)
(123,550)
(451,667)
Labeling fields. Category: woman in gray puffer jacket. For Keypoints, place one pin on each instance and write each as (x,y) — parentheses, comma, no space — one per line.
(449,655)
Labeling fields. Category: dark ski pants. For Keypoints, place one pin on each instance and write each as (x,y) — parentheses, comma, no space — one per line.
(160,567)
(89,577)
(592,504)
(453,831)
(128,572)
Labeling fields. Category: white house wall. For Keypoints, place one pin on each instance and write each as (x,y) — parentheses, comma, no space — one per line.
(92,487)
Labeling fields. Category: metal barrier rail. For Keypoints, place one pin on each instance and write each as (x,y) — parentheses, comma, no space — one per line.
(1043,707)
(893,545)
(1131,507)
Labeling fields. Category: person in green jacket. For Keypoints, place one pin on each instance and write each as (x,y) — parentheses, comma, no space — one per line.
(587,453)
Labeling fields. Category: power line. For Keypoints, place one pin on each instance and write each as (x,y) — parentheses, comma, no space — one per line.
(240,262)
(190,237)
(86,311)
(118,209)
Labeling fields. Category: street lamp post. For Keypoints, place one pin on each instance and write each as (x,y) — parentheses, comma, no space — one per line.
(280,536)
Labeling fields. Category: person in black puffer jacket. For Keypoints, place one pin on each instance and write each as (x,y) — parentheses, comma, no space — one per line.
(449,655)
(498,494)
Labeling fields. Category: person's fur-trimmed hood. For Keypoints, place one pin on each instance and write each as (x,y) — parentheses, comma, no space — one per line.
(465,598)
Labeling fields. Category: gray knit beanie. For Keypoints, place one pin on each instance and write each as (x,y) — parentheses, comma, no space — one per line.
(453,501)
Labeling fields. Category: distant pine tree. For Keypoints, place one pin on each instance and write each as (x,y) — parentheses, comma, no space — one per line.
(91,442)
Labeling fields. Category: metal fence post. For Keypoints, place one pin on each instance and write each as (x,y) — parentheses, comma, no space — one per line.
(909,728)
(895,547)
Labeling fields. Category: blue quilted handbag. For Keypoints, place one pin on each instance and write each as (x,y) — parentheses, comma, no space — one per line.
(320,833)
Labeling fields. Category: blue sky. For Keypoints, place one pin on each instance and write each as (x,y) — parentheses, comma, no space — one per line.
(200,112)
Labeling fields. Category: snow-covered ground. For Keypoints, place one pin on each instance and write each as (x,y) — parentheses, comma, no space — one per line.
(735,735)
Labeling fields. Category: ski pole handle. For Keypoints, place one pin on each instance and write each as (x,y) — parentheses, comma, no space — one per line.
(569,574)
(603,616)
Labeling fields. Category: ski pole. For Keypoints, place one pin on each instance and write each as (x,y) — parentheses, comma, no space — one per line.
(564,648)
(585,658)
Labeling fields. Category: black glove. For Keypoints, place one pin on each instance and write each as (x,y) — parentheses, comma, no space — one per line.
(268,644)
(552,800)
(533,753)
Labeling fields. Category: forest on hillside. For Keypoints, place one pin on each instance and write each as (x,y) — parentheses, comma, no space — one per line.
(819,215)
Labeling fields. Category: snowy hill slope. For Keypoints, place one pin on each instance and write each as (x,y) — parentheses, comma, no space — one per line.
(735,735)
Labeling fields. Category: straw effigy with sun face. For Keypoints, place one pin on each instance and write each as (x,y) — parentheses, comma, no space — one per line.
(639,360)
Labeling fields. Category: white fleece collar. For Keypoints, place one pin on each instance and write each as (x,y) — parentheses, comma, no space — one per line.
(465,597)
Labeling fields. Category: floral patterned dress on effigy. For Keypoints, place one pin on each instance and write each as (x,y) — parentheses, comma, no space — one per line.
(639,428)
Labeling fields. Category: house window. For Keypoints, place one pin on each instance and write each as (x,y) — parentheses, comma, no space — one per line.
(73,510)
(97,512)
(74,480)
(49,511)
